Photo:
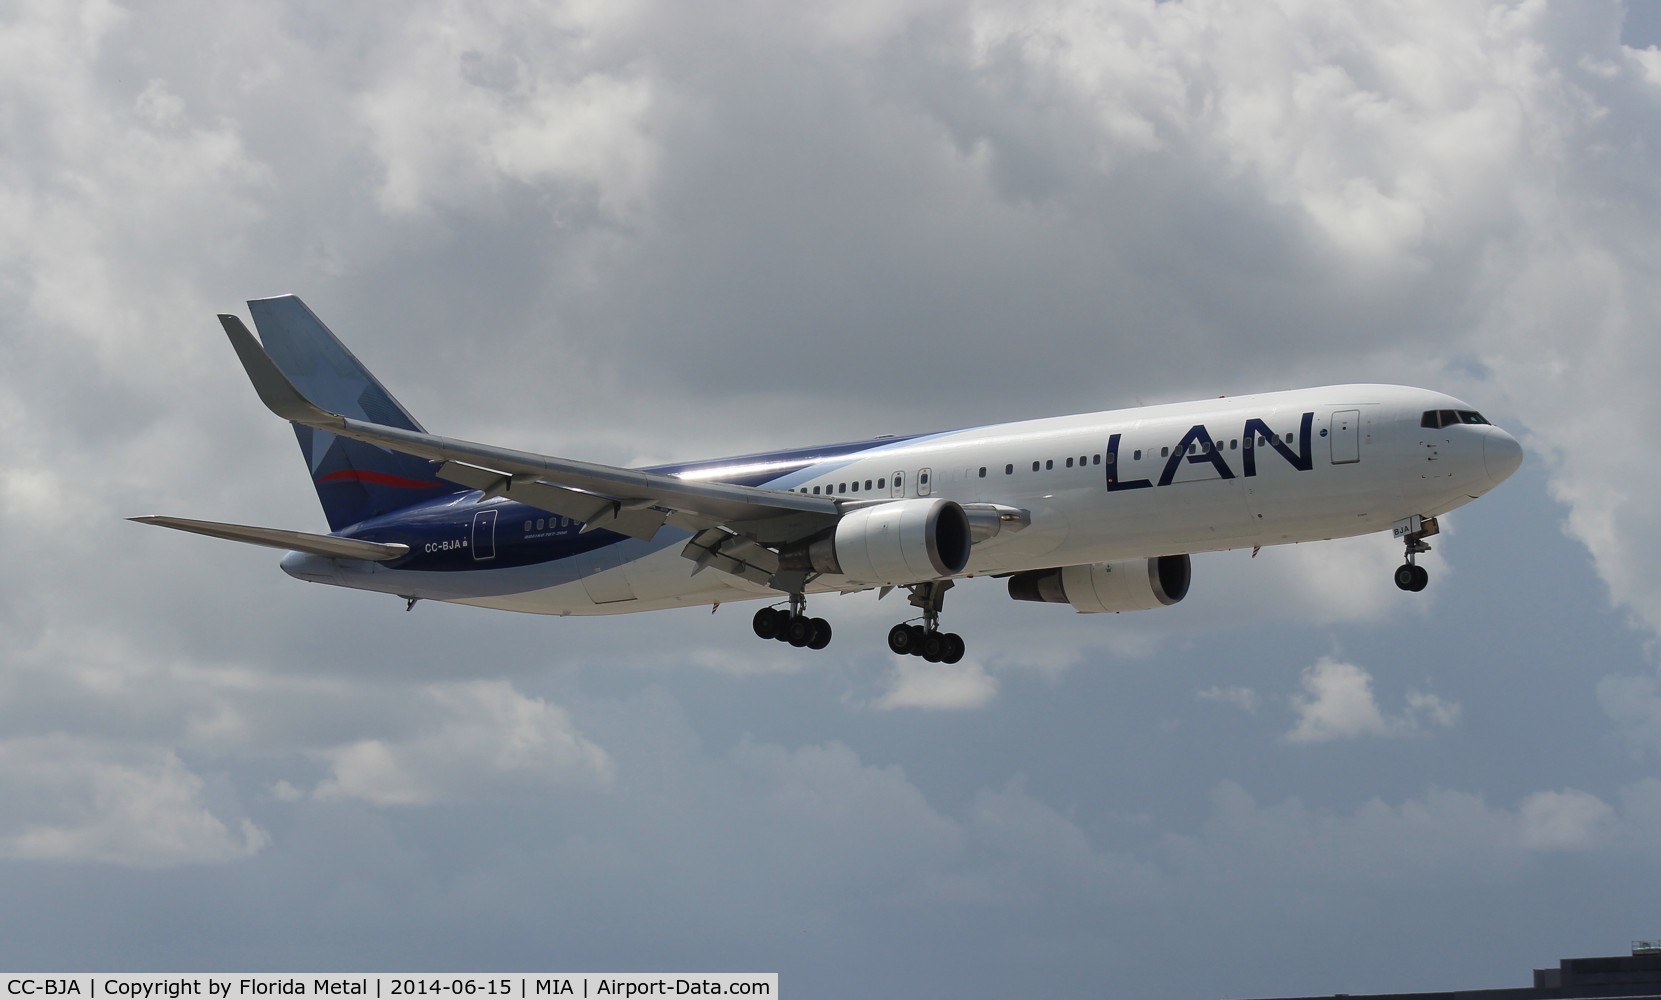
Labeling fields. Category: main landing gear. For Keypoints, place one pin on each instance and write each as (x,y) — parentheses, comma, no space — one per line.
(1410,576)
(793,626)
(926,639)
(915,637)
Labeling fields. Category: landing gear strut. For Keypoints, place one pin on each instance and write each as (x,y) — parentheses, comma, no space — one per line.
(926,639)
(793,626)
(1410,576)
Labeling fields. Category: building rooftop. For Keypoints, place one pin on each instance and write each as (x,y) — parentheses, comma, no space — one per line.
(1636,976)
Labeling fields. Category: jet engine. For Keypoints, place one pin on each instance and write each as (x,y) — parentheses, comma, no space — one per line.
(1127,585)
(907,541)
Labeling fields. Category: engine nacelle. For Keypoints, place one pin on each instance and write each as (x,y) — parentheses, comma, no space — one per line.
(891,544)
(1129,585)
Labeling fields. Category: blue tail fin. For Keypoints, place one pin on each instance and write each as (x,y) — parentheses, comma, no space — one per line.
(354,480)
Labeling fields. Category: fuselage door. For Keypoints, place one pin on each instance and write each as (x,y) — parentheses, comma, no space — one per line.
(484,535)
(1346,437)
(924,484)
(898,489)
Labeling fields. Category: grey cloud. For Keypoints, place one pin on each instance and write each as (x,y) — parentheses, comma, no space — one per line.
(640,231)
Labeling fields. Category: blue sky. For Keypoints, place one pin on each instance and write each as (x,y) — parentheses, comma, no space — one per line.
(639,232)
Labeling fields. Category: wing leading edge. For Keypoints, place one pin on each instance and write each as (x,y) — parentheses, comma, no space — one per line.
(628,501)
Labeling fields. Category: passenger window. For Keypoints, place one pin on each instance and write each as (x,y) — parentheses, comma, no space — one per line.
(527,525)
(1069,461)
(1138,455)
(882,484)
(1049,463)
(816,489)
(1035,466)
(539,523)
(1110,459)
(867,484)
(1009,470)
(1096,459)
(983,472)
(841,487)
(1234,444)
(1165,452)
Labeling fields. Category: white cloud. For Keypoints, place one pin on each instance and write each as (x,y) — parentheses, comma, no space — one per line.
(1633,703)
(140,808)
(1569,820)
(485,735)
(1431,710)
(558,208)
(916,683)
(1337,703)
(1243,698)
(480,98)
(1284,847)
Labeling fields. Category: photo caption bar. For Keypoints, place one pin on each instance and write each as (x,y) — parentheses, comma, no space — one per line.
(386,986)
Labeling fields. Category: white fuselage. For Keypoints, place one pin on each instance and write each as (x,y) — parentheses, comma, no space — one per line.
(1263,469)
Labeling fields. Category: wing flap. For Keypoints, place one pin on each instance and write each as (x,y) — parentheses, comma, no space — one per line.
(331,546)
(634,518)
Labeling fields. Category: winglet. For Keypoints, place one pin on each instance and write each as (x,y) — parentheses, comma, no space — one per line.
(275,390)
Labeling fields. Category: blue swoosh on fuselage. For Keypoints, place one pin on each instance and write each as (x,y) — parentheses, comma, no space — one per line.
(439,531)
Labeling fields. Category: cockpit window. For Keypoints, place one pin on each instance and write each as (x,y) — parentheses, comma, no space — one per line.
(1436,419)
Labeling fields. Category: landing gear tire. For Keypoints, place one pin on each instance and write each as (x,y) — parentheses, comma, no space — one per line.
(821,634)
(768,622)
(799,632)
(1412,577)
(793,625)
(926,640)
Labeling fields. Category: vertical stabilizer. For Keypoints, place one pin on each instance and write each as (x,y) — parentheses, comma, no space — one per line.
(354,480)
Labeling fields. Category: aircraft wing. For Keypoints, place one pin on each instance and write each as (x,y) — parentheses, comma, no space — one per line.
(627,501)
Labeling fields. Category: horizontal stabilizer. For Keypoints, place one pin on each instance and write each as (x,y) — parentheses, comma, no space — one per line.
(330,546)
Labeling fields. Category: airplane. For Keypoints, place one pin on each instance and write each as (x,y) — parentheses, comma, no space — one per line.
(1099,511)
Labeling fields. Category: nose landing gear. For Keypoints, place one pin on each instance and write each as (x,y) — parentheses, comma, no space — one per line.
(1410,576)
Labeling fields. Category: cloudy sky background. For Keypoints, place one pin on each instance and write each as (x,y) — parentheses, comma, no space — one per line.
(634,232)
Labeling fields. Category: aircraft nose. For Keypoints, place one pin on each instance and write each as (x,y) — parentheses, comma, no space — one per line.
(1502,455)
